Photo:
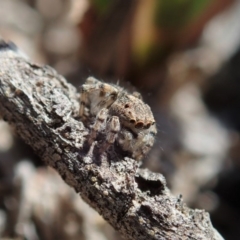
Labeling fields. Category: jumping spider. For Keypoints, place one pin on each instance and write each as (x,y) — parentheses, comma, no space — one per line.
(121,116)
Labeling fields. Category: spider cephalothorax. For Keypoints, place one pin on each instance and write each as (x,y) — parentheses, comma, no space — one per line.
(123,117)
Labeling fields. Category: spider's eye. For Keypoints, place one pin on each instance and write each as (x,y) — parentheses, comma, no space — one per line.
(139,125)
(126,106)
(132,121)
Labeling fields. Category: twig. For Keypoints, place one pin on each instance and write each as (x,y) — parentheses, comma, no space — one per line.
(43,109)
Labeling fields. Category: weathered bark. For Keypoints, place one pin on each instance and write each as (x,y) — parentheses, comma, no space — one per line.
(43,109)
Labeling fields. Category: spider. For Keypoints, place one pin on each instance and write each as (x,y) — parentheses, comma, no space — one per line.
(122,117)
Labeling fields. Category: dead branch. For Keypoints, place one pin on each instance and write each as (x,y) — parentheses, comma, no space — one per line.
(43,109)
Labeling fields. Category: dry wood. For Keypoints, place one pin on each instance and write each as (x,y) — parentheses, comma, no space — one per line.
(43,109)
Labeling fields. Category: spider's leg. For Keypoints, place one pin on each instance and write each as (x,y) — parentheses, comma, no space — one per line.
(88,158)
(96,95)
(112,130)
(83,98)
(99,124)
(107,95)
(88,91)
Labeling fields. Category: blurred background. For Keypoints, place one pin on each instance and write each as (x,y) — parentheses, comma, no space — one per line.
(183,56)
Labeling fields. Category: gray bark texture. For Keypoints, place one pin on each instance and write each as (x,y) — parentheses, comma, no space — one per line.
(43,109)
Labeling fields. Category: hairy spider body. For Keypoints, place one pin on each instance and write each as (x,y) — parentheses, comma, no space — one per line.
(123,117)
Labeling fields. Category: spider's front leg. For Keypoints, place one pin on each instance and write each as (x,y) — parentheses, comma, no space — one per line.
(91,87)
(85,90)
(98,126)
(112,130)
(96,95)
